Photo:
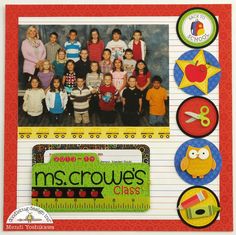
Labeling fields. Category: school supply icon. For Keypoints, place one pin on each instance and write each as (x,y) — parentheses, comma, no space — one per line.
(197,116)
(205,121)
(200,212)
(197,28)
(198,206)
(192,201)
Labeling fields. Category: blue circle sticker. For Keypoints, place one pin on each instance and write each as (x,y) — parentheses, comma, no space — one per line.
(198,161)
(197,72)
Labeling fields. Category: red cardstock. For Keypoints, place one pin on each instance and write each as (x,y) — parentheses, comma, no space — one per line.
(13,12)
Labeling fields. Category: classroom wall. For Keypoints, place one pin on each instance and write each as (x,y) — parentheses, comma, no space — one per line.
(155,36)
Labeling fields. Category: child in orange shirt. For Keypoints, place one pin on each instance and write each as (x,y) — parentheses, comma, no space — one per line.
(156,97)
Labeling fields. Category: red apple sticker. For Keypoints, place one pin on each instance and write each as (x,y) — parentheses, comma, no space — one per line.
(70,193)
(94,193)
(82,193)
(58,193)
(35,193)
(196,73)
(46,193)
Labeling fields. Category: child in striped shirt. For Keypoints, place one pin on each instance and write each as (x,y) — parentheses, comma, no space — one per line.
(80,97)
(72,46)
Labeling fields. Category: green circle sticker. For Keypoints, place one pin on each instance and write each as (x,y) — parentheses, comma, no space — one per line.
(197,27)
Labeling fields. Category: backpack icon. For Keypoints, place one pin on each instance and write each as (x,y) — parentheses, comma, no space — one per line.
(197,28)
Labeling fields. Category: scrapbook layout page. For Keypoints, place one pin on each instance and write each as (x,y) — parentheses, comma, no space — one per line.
(118,118)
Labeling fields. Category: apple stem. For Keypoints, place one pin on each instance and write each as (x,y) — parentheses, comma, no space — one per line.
(196,63)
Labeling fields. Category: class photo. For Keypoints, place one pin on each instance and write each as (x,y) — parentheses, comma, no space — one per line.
(93,75)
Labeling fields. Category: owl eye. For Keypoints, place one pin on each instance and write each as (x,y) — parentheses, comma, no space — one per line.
(192,153)
(203,153)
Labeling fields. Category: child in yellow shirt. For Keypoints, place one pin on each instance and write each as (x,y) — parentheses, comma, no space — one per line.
(156,97)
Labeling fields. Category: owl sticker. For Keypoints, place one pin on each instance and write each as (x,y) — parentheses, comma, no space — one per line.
(198,162)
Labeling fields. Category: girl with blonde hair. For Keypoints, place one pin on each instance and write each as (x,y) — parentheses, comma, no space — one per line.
(33,52)
(45,74)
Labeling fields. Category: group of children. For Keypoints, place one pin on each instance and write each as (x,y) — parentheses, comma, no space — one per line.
(100,79)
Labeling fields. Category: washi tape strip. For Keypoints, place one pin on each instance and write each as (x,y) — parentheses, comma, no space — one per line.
(91,132)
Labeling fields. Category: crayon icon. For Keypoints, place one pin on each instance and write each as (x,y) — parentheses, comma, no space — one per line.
(203,211)
(198,197)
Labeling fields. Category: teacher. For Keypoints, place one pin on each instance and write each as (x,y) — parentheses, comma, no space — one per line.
(33,52)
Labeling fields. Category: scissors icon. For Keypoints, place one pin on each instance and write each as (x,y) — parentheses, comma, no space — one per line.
(205,121)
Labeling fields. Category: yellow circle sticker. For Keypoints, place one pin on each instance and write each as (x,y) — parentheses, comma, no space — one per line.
(198,207)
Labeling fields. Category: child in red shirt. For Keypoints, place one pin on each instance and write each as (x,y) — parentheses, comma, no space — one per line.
(95,46)
(138,46)
(107,97)
(142,74)
(143,80)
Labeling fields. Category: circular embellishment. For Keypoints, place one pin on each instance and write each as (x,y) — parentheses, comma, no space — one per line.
(197,27)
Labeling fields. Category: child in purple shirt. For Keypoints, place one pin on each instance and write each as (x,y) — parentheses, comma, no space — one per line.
(45,74)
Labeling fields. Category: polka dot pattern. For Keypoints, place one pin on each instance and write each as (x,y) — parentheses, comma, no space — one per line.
(212,82)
